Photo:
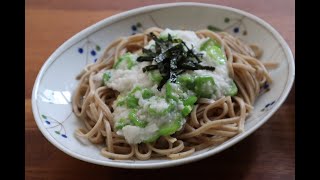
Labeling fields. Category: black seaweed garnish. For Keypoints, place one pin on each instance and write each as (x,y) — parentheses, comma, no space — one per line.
(172,57)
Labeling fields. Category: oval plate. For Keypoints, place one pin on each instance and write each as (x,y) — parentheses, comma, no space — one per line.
(56,82)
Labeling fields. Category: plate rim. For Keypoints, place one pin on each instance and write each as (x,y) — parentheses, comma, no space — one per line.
(109,20)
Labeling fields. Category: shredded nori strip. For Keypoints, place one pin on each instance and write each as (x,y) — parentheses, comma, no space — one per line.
(171,58)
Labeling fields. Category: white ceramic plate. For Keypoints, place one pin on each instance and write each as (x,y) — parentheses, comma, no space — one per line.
(56,80)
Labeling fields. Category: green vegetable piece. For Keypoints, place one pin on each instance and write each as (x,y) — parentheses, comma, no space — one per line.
(190,100)
(186,81)
(106,76)
(186,110)
(166,130)
(171,92)
(147,93)
(121,123)
(188,105)
(132,102)
(134,119)
(155,76)
(204,86)
(233,90)
(126,58)
(213,49)
(170,128)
